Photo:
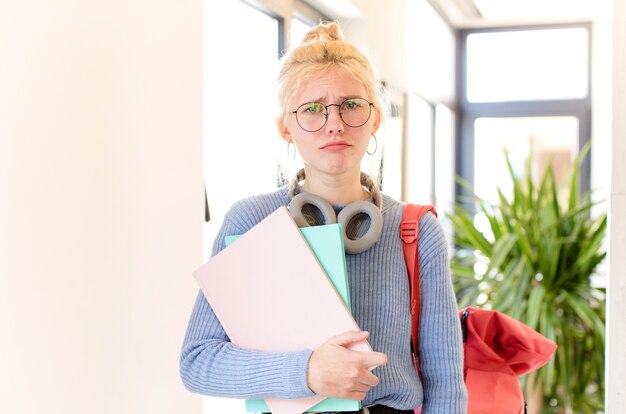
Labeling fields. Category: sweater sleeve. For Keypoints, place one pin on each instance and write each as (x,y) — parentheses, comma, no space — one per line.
(440,341)
(210,364)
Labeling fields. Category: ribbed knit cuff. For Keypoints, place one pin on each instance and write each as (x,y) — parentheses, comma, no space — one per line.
(294,374)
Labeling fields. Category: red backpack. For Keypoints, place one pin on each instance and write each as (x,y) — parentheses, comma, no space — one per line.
(496,348)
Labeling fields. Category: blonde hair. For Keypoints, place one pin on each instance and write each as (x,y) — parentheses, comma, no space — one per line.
(321,49)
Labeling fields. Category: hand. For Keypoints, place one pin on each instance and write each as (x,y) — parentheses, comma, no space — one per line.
(336,371)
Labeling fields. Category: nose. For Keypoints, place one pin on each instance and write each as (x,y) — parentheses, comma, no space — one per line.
(334,123)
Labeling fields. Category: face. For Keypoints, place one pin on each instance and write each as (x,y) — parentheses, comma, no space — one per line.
(336,148)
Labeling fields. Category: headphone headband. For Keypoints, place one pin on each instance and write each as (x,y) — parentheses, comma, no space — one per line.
(366,181)
(312,210)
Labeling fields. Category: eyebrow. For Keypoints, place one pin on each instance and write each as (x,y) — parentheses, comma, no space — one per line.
(341,98)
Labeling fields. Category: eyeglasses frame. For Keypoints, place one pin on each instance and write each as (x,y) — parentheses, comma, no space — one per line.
(371,105)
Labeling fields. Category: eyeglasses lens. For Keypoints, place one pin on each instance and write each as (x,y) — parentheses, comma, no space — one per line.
(312,116)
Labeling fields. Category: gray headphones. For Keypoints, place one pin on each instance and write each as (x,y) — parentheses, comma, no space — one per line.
(361,221)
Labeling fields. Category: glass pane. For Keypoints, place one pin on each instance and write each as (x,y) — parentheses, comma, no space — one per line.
(390,136)
(548,138)
(527,65)
(420,150)
(430,53)
(297,31)
(444,158)
(237,141)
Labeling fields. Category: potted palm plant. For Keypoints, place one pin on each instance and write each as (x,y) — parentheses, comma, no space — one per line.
(534,261)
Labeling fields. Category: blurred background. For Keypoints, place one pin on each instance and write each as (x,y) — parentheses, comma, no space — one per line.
(121,121)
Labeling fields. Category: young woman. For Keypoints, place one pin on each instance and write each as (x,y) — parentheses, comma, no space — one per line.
(331,109)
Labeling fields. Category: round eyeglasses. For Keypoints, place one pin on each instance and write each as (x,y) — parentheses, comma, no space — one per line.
(354,112)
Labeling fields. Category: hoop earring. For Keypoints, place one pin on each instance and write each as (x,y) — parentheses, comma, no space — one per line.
(375,146)
(291,154)
(312,210)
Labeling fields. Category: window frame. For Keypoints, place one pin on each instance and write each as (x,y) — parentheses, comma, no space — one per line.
(468,111)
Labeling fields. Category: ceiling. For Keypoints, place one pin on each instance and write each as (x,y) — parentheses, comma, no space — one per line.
(472,13)
(484,13)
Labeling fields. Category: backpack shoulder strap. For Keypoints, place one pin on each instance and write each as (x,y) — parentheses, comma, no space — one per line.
(409,232)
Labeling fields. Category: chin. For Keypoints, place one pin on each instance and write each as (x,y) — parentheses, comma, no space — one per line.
(340,170)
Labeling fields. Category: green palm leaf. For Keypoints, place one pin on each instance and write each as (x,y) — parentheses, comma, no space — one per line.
(541,257)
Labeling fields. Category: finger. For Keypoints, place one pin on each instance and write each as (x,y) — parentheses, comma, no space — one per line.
(356,395)
(348,338)
(356,386)
(373,359)
(369,379)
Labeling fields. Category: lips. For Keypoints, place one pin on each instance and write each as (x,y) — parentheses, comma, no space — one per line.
(336,146)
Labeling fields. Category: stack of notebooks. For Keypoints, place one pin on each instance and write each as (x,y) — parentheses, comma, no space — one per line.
(279,288)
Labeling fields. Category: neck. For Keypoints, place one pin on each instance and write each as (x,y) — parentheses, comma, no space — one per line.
(343,189)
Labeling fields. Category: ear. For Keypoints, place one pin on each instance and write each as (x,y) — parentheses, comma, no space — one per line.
(282,129)
(376,123)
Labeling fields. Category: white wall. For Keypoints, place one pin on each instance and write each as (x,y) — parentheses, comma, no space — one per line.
(616,329)
(101,203)
(381,33)
(398,37)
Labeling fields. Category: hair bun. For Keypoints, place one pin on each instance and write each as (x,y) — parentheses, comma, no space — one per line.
(323,32)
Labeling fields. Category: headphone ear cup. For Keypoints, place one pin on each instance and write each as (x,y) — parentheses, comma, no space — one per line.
(311,210)
(350,218)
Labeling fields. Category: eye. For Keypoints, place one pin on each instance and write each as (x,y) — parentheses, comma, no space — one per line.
(352,104)
(312,108)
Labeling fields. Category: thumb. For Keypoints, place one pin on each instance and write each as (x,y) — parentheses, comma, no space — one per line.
(348,338)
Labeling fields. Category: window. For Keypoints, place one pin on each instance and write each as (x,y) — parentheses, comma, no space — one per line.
(525,89)
(444,158)
(240,103)
(429,151)
(289,168)
(430,119)
(390,137)
(420,150)
(297,30)
(547,139)
(239,111)
(430,53)
(527,65)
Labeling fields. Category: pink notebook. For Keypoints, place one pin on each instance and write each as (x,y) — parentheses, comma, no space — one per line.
(271,294)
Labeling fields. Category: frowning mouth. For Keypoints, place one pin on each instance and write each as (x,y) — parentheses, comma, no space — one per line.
(336,146)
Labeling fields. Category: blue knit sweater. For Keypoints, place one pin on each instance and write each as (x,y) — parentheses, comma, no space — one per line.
(379,294)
